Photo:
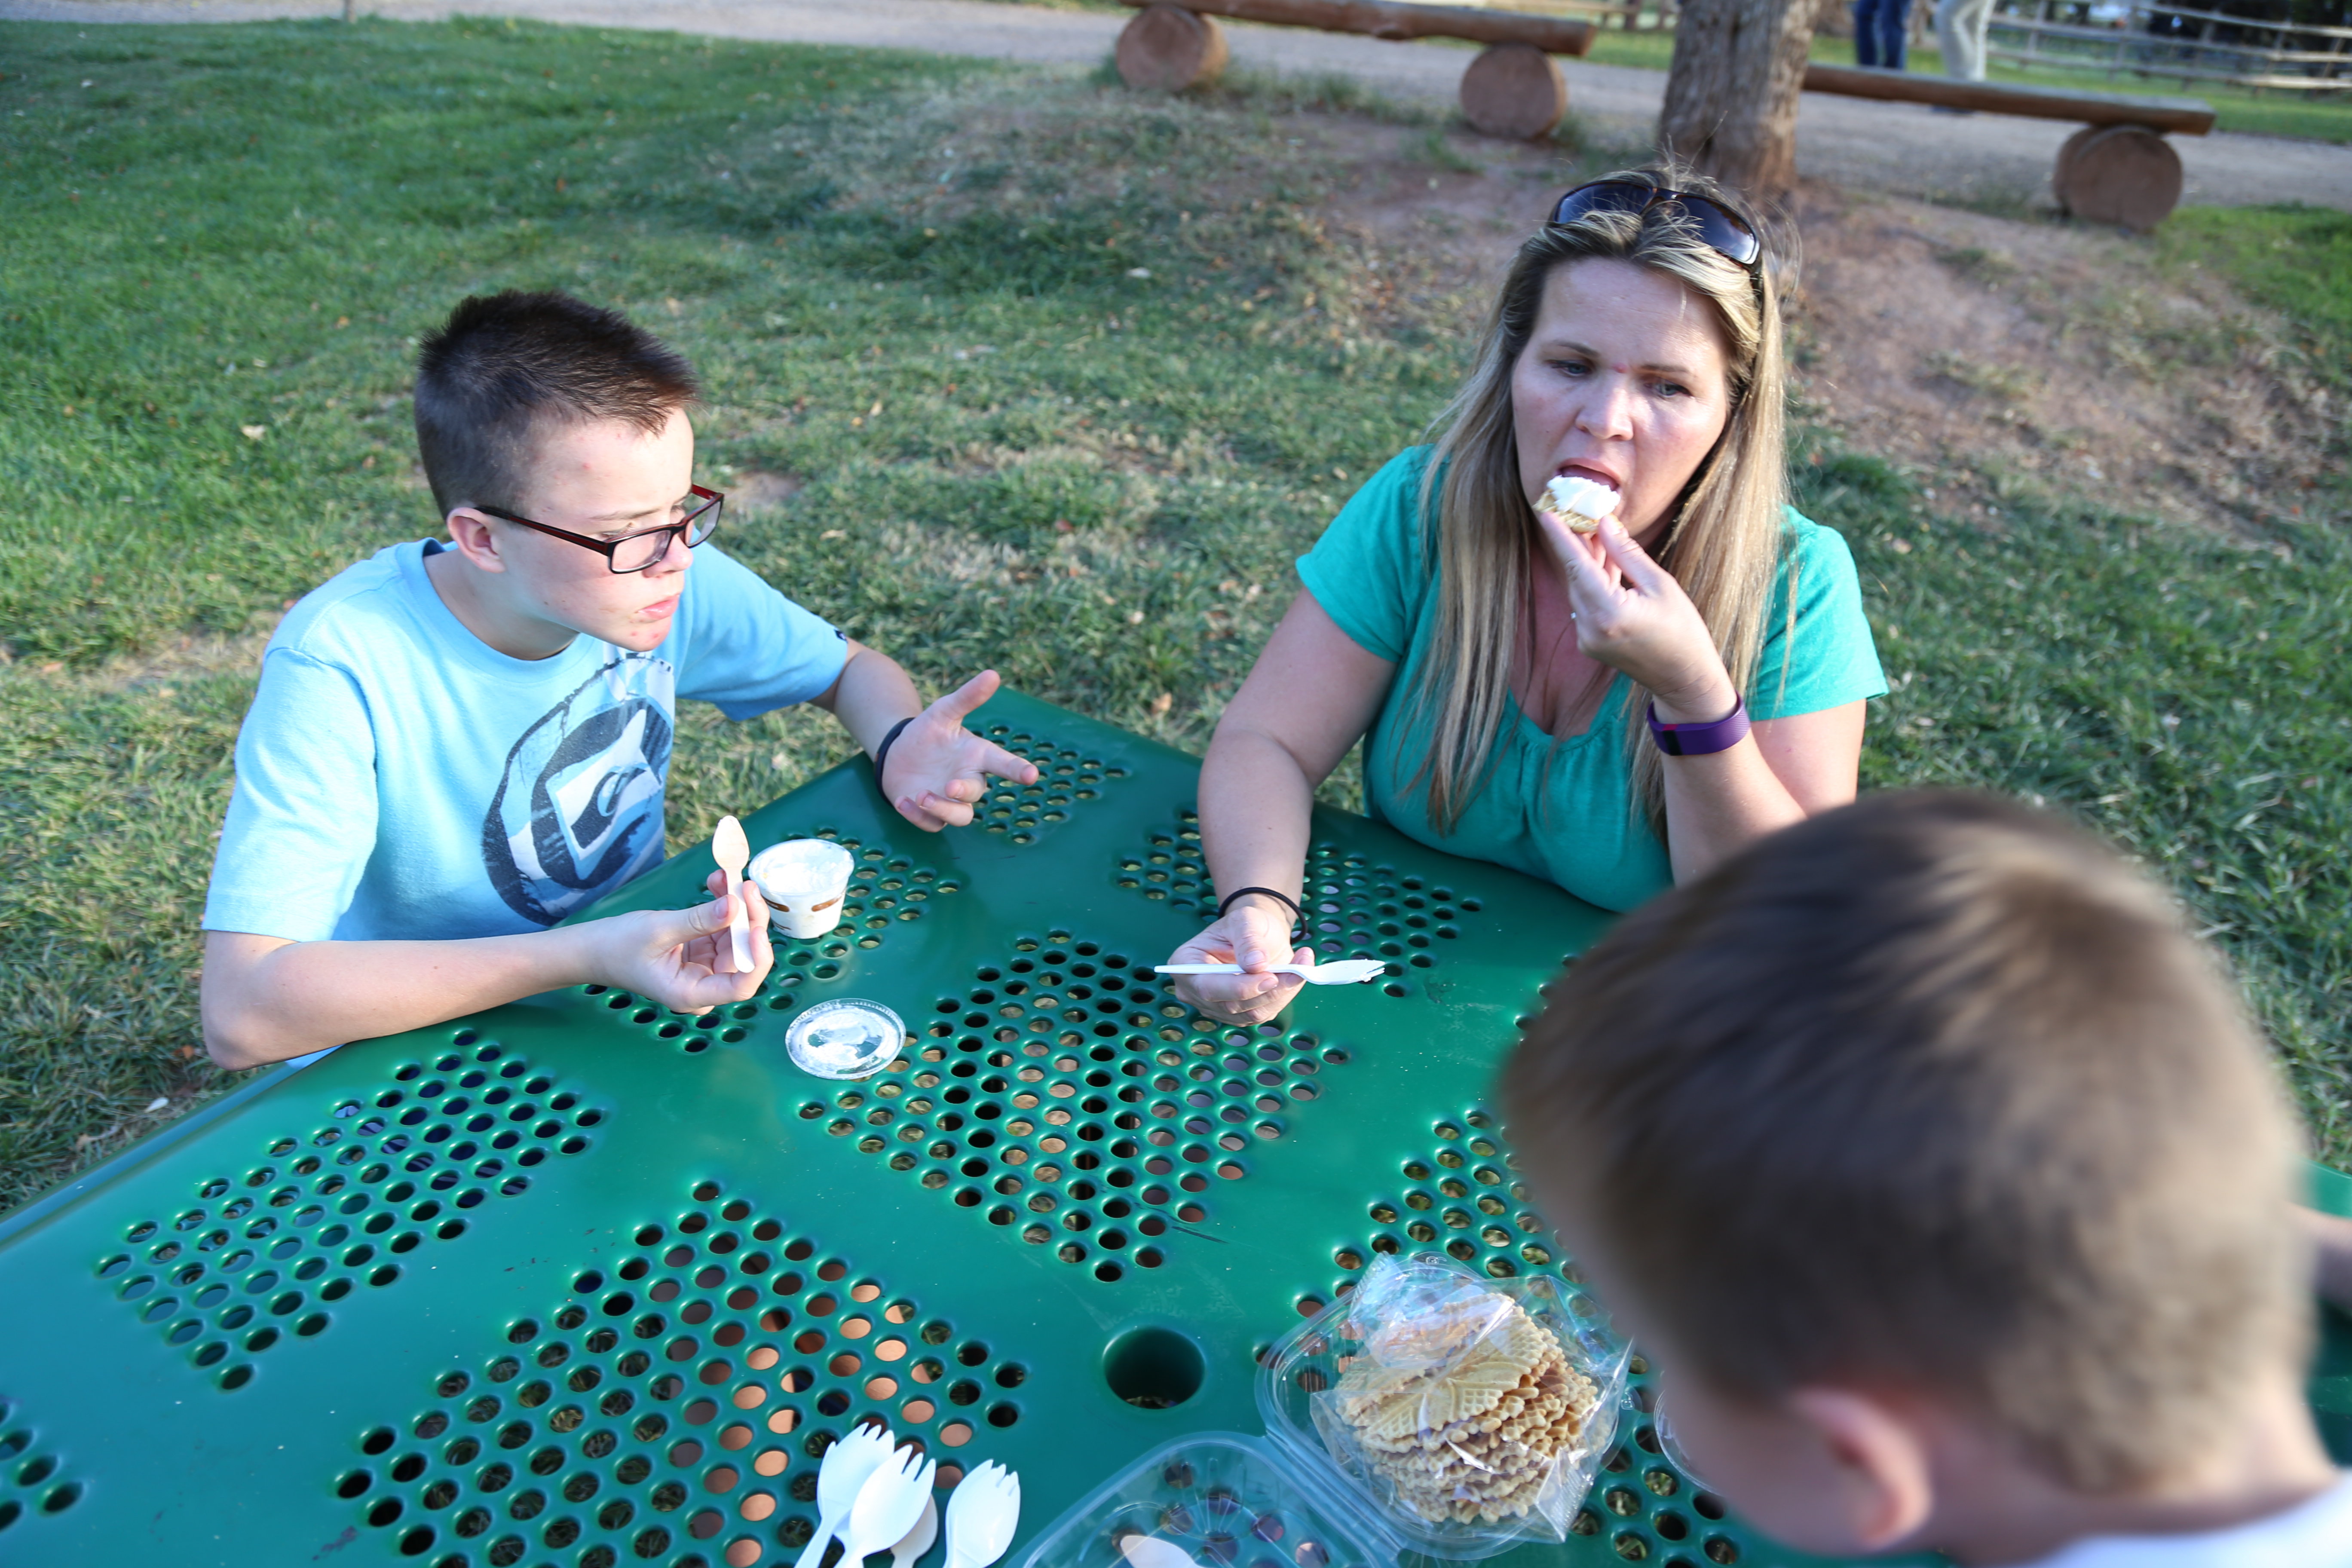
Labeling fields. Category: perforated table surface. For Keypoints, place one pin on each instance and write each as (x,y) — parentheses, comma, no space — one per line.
(582,1283)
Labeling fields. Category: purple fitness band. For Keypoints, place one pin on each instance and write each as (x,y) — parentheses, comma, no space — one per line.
(1700,740)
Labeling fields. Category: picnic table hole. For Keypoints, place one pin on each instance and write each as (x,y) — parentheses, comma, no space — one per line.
(1153,1367)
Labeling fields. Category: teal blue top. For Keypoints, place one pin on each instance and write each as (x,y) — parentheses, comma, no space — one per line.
(1558,809)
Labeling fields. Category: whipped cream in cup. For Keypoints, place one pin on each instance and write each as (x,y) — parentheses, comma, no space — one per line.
(804,880)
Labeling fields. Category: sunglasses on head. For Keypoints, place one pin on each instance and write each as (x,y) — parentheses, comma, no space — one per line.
(1722,228)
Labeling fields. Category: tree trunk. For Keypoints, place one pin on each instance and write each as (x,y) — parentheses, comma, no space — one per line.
(1731,99)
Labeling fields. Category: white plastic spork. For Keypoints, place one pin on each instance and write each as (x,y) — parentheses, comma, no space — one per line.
(1338,972)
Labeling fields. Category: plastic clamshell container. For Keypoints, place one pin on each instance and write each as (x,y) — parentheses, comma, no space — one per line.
(1305,1362)
(1222,1499)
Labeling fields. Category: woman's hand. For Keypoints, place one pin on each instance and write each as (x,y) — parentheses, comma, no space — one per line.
(1632,615)
(671,956)
(938,770)
(1256,934)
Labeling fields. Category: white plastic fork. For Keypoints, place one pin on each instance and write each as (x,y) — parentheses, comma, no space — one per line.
(892,1500)
(918,1540)
(841,1475)
(1338,972)
(983,1513)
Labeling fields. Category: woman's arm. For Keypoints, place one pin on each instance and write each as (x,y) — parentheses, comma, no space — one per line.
(1787,769)
(1311,695)
(1632,615)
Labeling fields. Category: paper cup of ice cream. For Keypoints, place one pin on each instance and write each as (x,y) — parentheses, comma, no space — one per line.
(804,880)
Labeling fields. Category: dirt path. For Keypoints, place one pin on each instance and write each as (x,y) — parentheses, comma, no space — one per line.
(1895,149)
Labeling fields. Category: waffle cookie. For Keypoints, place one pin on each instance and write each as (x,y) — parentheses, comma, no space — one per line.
(1473,1437)
(1579,502)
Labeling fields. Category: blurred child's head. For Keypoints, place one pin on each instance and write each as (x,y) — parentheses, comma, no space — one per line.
(543,407)
(1926,1111)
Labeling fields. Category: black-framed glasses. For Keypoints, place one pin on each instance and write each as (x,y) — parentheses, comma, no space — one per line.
(635,551)
(1729,234)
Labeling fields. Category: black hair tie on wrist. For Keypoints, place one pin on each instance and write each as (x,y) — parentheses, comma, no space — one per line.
(882,752)
(1298,915)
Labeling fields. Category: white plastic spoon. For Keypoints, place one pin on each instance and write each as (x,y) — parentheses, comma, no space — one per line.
(1151,1552)
(841,1475)
(893,1498)
(983,1513)
(732,851)
(919,1540)
(1338,972)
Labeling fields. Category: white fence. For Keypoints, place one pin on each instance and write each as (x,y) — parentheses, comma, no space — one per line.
(2191,45)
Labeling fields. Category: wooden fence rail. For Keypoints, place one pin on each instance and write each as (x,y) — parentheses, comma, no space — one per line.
(2131,45)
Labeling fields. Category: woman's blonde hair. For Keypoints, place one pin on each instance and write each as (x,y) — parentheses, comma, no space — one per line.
(1723,540)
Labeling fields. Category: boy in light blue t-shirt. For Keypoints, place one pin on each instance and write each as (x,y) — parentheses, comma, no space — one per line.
(454,745)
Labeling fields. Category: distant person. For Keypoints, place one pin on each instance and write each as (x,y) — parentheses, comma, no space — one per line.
(1946,1186)
(1880,31)
(1576,705)
(1960,32)
(458,743)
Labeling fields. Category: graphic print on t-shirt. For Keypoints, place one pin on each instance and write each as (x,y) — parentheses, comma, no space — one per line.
(578,808)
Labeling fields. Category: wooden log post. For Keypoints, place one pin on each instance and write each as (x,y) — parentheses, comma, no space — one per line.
(1514,90)
(1731,96)
(1167,48)
(2125,174)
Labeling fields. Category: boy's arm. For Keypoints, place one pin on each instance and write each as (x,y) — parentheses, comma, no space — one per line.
(936,769)
(264,998)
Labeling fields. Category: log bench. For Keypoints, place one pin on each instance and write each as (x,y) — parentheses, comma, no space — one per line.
(1511,89)
(2119,168)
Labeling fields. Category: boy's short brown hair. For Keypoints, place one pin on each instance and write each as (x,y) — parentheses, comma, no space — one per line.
(1932,1092)
(506,365)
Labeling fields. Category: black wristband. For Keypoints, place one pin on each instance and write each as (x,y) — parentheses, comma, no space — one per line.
(882,752)
(1298,915)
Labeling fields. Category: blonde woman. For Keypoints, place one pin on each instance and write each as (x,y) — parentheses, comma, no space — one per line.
(1613,712)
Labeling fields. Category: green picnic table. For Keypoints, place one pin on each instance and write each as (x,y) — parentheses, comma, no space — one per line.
(581,1283)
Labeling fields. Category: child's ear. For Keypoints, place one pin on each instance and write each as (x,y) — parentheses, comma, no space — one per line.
(1881,1461)
(469,531)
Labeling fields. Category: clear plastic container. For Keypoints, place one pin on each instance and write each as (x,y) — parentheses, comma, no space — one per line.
(1431,1300)
(848,1037)
(1294,1499)
(1214,1500)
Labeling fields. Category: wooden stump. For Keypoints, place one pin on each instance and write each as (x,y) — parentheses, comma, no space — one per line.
(2117,173)
(1167,48)
(1514,90)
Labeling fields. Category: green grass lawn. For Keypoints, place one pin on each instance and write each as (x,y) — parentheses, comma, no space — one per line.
(912,287)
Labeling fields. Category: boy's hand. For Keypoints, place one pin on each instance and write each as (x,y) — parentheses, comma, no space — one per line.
(671,956)
(937,770)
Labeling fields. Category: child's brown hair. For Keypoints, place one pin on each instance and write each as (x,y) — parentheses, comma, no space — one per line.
(505,366)
(1931,1092)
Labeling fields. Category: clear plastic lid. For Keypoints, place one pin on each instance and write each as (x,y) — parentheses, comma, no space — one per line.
(845,1038)
(1467,1413)
(1212,1500)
